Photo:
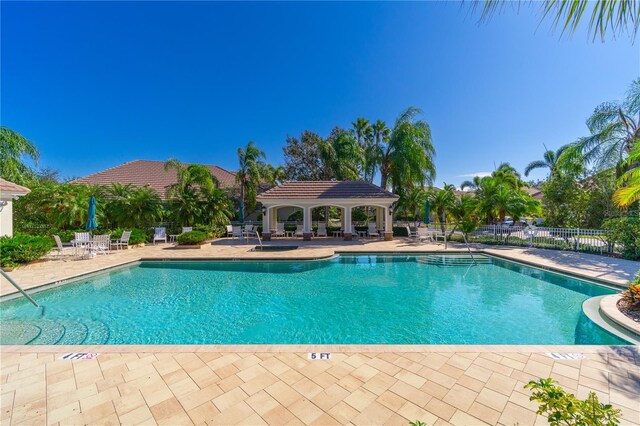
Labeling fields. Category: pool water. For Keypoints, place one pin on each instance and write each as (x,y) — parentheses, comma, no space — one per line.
(364,299)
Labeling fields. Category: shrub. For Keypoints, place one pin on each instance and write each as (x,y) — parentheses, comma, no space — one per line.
(192,238)
(23,249)
(632,294)
(400,231)
(562,408)
(624,232)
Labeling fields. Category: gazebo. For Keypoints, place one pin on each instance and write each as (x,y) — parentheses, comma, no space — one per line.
(346,195)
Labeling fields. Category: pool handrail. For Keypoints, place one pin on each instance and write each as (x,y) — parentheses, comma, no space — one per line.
(13,283)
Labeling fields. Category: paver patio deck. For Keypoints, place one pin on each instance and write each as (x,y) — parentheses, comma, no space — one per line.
(274,384)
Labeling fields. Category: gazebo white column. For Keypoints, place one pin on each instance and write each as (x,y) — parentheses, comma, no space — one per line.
(266,223)
(306,224)
(347,223)
(388,224)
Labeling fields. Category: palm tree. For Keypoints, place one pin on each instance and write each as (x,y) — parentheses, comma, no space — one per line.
(251,173)
(191,176)
(342,154)
(464,214)
(629,183)
(407,158)
(13,148)
(441,201)
(412,201)
(616,16)
(128,206)
(508,175)
(551,161)
(373,151)
(473,184)
(276,175)
(615,131)
(362,130)
(216,208)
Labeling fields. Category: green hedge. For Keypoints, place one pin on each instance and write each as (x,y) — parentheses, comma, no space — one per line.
(23,249)
(624,232)
(192,238)
(138,236)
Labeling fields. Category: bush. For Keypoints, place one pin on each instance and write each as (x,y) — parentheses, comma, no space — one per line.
(192,238)
(23,249)
(562,408)
(632,294)
(624,232)
(400,231)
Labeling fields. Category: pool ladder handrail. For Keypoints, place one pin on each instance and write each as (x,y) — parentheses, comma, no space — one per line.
(259,239)
(13,283)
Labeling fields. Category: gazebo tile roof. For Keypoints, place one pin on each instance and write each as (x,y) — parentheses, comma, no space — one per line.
(325,190)
(13,188)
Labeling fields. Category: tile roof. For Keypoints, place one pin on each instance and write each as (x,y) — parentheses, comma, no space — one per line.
(325,189)
(14,188)
(152,173)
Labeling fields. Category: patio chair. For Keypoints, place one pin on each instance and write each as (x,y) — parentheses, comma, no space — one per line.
(322,230)
(187,229)
(229,231)
(373,231)
(160,234)
(436,233)
(411,234)
(81,240)
(424,235)
(249,231)
(279,230)
(354,232)
(299,231)
(123,241)
(61,249)
(101,244)
(236,232)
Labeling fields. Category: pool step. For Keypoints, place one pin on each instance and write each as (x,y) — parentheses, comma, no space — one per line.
(448,260)
(54,332)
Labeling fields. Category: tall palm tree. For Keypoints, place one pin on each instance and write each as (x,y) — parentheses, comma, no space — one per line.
(551,161)
(412,201)
(191,176)
(373,151)
(441,201)
(362,130)
(615,130)
(407,158)
(13,149)
(342,154)
(472,184)
(276,175)
(251,173)
(127,206)
(508,175)
(629,183)
(616,16)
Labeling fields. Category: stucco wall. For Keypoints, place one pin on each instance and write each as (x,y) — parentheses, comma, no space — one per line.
(6,220)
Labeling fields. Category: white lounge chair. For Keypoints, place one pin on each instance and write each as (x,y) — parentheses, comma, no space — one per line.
(62,249)
(373,231)
(411,234)
(249,231)
(354,232)
(123,241)
(322,230)
(279,230)
(236,232)
(299,231)
(423,234)
(436,233)
(187,229)
(229,231)
(160,234)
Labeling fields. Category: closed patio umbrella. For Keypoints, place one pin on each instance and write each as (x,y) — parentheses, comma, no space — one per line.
(92,223)
(427,212)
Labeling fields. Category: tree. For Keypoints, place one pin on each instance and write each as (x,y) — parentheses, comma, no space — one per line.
(302,160)
(472,184)
(615,131)
(629,183)
(189,177)
(342,154)
(250,175)
(407,158)
(412,202)
(127,206)
(275,174)
(463,213)
(216,209)
(14,148)
(379,135)
(506,174)
(441,201)
(551,160)
(614,16)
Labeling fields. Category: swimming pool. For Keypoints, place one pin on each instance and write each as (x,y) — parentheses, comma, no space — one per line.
(351,299)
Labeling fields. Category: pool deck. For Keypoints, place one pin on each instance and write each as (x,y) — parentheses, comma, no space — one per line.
(276,384)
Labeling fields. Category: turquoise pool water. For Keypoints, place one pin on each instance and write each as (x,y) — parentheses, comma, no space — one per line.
(365,299)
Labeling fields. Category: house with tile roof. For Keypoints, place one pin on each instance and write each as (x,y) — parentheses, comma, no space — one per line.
(9,191)
(152,173)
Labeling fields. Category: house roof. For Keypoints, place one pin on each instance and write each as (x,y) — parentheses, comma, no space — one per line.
(310,190)
(152,173)
(12,189)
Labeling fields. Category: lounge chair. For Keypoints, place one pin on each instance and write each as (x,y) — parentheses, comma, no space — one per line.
(249,231)
(236,232)
(373,231)
(299,231)
(187,229)
(279,230)
(61,249)
(423,234)
(436,233)
(354,232)
(229,231)
(123,241)
(160,234)
(322,230)
(411,234)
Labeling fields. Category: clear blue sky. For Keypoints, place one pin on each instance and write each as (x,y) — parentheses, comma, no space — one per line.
(98,84)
